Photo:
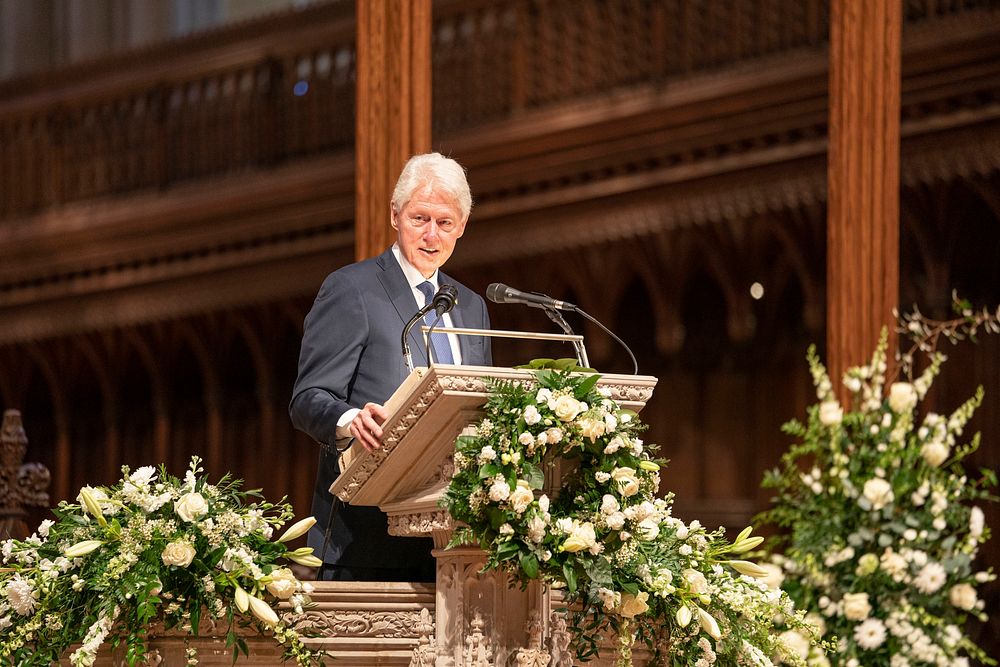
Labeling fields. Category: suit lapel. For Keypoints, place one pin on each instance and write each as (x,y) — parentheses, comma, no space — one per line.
(395,285)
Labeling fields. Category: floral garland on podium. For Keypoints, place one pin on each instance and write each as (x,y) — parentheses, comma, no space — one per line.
(152,548)
(624,560)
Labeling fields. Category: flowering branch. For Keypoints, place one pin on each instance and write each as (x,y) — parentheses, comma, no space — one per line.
(926,333)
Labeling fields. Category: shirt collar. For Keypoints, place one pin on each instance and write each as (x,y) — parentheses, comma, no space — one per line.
(413,277)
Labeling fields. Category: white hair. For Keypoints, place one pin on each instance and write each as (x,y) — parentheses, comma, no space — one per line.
(441,173)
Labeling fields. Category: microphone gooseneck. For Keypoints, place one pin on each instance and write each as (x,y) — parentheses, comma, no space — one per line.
(443,301)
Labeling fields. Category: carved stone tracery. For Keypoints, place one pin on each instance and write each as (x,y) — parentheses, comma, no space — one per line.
(22,485)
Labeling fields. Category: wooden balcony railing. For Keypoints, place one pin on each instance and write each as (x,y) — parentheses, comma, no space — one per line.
(281,88)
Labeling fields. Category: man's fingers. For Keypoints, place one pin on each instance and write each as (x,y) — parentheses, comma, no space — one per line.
(378,412)
(364,436)
(365,426)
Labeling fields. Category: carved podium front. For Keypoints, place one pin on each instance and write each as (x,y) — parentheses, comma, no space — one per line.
(479,619)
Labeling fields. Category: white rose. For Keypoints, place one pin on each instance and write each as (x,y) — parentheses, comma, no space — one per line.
(526,439)
(543,503)
(775,576)
(591,429)
(613,446)
(696,581)
(830,413)
(633,605)
(893,564)
(532,415)
(878,492)
(566,408)
(581,537)
(625,481)
(191,506)
(554,434)
(902,397)
(536,529)
(648,529)
(179,553)
(963,596)
(794,644)
(487,453)
(521,497)
(856,606)
(977,522)
(816,622)
(615,521)
(935,453)
(609,505)
(283,583)
(544,395)
(611,422)
(499,490)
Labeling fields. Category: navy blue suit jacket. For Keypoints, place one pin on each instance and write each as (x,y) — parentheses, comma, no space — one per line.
(351,355)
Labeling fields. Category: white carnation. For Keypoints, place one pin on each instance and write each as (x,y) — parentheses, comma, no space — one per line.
(878,493)
(870,634)
(21,595)
(931,578)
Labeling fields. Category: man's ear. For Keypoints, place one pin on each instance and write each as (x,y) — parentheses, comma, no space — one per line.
(393,216)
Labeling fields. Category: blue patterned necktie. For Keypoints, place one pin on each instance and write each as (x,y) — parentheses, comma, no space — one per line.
(442,349)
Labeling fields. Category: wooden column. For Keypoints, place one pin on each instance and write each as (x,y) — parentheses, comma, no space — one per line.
(863,181)
(393,119)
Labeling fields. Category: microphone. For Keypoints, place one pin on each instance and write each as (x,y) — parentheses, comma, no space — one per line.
(442,302)
(500,293)
(445,299)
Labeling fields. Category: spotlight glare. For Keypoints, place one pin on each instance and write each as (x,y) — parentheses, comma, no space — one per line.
(757,290)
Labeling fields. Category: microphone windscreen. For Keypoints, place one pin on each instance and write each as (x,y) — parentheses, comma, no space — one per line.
(497,293)
(445,298)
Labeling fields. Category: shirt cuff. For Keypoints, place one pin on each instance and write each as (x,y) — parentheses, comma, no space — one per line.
(344,423)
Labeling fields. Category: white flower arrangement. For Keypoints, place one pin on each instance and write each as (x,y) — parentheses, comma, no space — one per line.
(882,528)
(152,547)
(606,538)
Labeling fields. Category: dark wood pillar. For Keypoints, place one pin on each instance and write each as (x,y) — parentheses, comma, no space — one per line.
(393,119)
(863,181)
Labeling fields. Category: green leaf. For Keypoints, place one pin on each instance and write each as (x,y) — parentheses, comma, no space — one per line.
(565,364)
(489,470)
(533,475)
(570,575)
(508,550)
(584,387)
(529,564)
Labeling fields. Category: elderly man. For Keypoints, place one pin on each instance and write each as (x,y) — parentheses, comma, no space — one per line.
(351,362)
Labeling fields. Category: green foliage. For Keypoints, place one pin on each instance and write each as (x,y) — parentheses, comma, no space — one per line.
(153,547)
(880,527)
(600,532)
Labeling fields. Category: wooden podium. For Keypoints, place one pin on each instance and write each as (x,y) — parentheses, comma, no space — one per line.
(480,620)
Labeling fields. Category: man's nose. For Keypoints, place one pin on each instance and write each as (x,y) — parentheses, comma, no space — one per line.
(431,231)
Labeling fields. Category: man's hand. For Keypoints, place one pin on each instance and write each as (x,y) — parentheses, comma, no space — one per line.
(366,427)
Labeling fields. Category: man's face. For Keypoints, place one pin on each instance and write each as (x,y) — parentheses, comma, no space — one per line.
(427,229)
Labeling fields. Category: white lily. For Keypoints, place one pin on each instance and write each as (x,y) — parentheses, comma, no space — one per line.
(82,548)
(298,529)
